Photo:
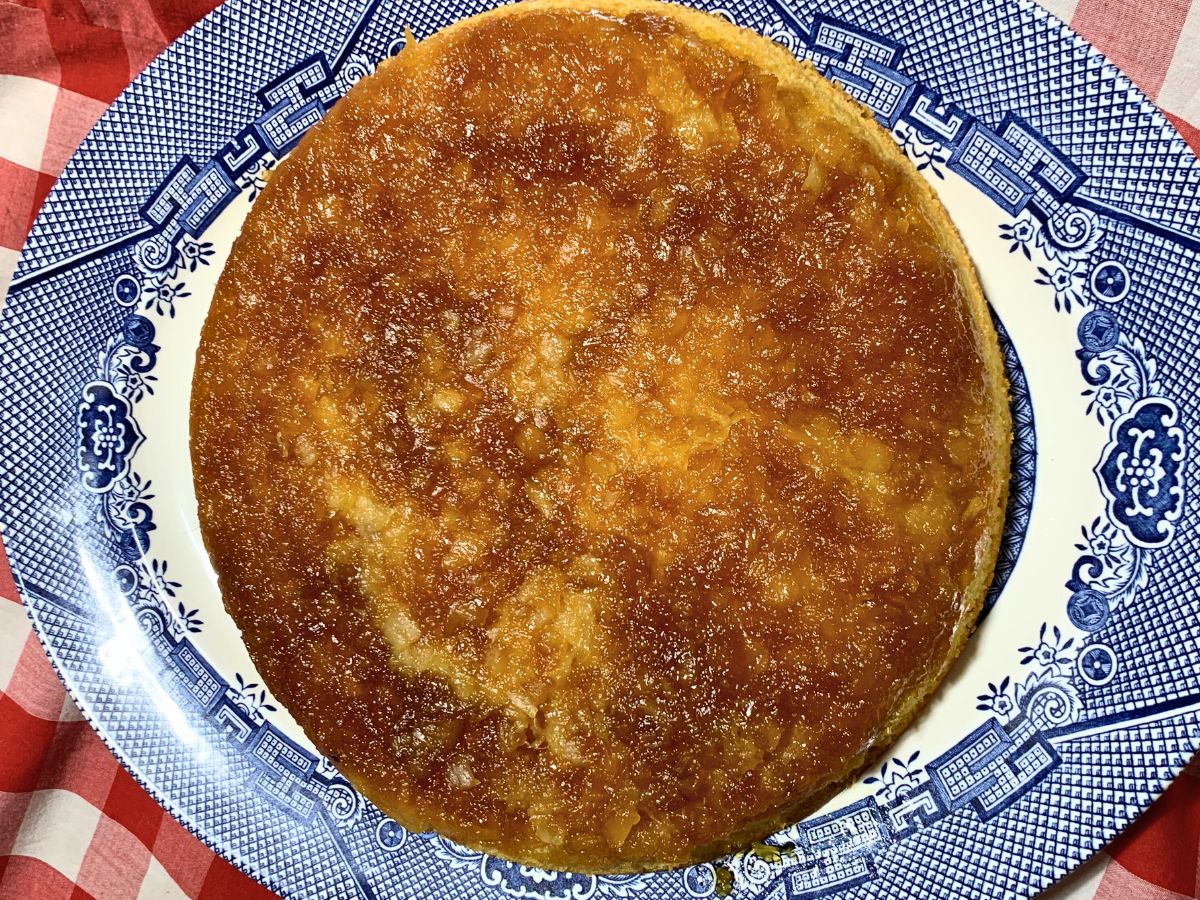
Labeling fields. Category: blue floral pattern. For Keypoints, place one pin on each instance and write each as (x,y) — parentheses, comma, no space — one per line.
(1141,472)
(897,778)
(1067,282)
(515,880)
(1067,243)
(1020,234)
(252,698)
(998,699)
(1047,695)
(108,436)
(255,178)
(928,155)
(1052,652)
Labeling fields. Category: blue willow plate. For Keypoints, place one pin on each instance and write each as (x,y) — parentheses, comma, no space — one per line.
(1077,699)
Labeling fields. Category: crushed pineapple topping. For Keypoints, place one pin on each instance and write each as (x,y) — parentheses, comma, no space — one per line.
(593,439)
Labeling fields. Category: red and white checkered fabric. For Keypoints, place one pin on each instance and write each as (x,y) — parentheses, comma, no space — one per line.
(73,822)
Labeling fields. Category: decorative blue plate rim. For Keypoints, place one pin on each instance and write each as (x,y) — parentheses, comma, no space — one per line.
(1118,236)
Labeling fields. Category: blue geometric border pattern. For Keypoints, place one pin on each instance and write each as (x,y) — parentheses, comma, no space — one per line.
(1023,467)
(996,92)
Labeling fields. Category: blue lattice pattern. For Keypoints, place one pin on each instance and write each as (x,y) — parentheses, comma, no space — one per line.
(1165,271)
(45,317)
(1051,828)
(1013,57)
(1158,662)
(207,74)
(1024,469)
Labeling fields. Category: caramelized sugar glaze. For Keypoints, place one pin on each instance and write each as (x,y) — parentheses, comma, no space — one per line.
(599,436)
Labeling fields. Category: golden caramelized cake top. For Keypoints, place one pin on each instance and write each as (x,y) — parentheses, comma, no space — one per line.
(599,435)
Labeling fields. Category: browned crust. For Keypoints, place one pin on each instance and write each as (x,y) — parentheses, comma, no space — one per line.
(795,75)
(752,47)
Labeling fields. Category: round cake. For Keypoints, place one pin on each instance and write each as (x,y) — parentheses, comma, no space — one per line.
(600,436)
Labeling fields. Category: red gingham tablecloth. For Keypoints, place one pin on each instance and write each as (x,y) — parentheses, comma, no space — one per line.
(73,823)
